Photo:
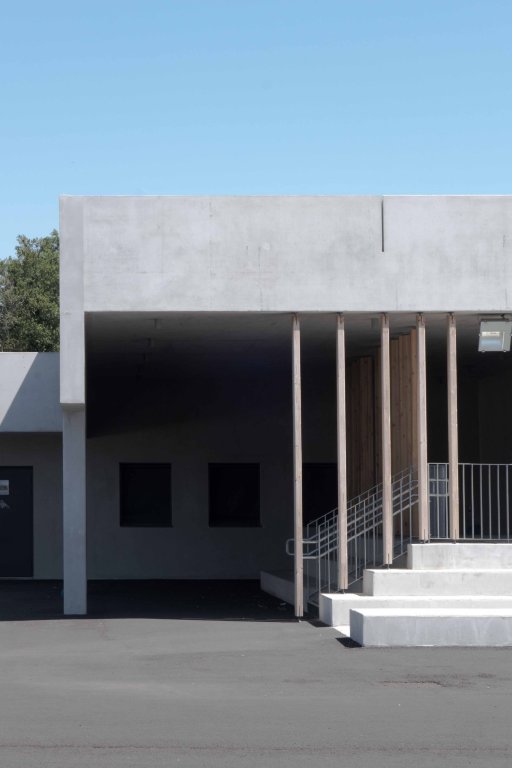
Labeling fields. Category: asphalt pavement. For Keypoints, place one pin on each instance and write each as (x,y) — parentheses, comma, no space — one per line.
(220,675)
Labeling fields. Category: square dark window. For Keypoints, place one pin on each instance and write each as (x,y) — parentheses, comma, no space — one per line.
(145,495)
(234,495)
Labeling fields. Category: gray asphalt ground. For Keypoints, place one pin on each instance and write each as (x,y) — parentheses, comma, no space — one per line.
(222,675)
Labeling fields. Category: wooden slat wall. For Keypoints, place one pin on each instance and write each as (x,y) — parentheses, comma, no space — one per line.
(364,461)
(413,337)
(360,425)
(404,448)
(404,366)
(378,420)
(395,405)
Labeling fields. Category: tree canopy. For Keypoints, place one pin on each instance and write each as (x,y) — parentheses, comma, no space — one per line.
(29,296)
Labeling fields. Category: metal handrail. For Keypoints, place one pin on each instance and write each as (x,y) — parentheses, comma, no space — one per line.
(364,519)
(368,503)
(485,510)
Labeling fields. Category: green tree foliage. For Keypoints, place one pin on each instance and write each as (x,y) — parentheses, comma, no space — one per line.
(29,296)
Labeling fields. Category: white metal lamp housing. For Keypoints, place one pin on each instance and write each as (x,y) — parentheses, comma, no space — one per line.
(495,336)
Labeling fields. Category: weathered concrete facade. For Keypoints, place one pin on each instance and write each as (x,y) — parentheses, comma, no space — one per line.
(176,347)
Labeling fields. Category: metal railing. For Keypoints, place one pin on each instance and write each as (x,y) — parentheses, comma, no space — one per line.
(485,511)
(364,531)
(365,535)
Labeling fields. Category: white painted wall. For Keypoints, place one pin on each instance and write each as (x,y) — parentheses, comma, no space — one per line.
(29,392)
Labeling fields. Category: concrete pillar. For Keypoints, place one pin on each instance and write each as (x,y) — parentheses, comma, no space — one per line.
(453,429)
(387,503)
(421,416)
(342,455)
(297,469)
(74,514)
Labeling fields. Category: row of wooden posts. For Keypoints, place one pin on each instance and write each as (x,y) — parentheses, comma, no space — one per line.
(385,453)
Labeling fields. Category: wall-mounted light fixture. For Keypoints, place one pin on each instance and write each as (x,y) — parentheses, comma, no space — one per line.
(494,336)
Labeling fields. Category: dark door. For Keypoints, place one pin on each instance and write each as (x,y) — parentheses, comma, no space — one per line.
(16,521)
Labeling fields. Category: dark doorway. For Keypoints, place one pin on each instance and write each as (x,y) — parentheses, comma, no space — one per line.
(16,522)
(319,490)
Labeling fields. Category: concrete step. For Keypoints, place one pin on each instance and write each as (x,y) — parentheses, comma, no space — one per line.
(434,627)
(443,555)
(335,608)
(436,582)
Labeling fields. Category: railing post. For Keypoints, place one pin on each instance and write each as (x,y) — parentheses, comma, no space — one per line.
(342,455)
(297,469)
(387,512)
(421,416)
(453,440)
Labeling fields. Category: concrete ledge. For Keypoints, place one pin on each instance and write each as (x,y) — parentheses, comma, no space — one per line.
(335,608)
(279,584)
(444,555)
(439,583)
(407,627)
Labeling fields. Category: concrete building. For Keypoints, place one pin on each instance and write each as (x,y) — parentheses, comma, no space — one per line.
(233,368)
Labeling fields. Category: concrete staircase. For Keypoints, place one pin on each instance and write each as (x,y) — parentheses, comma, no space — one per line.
(449,594)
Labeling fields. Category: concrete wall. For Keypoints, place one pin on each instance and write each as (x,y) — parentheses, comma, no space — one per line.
(72,341)
(241,254)
(294,253)
(276,254)
(240,420)
(44,454)
(29,392)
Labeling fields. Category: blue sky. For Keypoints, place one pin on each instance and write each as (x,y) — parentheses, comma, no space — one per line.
(250,97)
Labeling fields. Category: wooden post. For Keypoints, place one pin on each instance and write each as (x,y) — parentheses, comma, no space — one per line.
(421,420)
(453,438)
(342,455)
(387,511)
(297,469)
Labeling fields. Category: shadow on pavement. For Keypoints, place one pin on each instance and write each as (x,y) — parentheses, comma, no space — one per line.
(190,600)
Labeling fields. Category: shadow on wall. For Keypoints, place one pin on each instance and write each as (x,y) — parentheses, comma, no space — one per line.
(179,600)
(29,395)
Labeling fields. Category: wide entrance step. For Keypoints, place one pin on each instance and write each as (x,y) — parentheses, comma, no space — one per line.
(450,594)
(383,628)
(335,608)
(474,581)
(447,555)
